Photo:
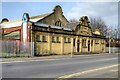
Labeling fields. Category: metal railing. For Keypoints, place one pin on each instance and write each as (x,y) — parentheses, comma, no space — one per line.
(113,49)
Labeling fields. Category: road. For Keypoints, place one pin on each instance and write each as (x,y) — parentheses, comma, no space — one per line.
(80,67)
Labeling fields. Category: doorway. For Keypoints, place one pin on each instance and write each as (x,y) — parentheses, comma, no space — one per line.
(89,46)
(78,45)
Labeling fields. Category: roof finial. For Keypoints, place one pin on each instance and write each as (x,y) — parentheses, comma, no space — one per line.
(57,9)
(84,21)
(25,17)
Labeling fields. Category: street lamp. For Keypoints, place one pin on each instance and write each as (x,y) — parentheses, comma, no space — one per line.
(71,49)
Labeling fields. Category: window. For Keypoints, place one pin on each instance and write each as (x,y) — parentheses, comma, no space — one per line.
(102,41)
(84,42)
(58,23)
(57,39)
(97,41)
(69,40)
(37,37)
(53,39)
(64,39)
(74,42)
(44,38)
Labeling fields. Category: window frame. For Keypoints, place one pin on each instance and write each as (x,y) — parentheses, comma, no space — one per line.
(57,39)
(53,39)
(44,38)
(69,40)
(65,41)
(38,38)
(84,45)
(58,23)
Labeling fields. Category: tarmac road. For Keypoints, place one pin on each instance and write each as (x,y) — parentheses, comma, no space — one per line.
(78,66)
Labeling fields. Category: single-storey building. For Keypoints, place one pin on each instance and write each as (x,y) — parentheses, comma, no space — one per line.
(52,33)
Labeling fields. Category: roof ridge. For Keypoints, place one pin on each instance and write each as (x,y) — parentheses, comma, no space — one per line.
(42,15)
(31,17)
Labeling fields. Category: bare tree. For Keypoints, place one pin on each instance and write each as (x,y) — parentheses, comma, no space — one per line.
(115,32)
(73,21)
(118,31)
(98,22)
(95,22)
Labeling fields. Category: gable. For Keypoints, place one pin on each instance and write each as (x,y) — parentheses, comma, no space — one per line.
(83,27)
(55,16)
(49,18)
(84,31)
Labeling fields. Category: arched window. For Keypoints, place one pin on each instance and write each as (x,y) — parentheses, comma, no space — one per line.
(58,23)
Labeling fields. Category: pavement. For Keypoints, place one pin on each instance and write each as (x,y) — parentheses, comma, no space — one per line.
(26,59)
(79,66)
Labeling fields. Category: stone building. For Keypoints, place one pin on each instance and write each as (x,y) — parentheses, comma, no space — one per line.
(53,34)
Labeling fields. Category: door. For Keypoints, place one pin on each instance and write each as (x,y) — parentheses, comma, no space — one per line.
(89,46)
(78,47)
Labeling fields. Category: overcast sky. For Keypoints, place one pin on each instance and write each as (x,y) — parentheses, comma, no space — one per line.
(108,11)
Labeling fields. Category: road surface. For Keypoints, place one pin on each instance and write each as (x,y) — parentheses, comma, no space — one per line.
(77,67)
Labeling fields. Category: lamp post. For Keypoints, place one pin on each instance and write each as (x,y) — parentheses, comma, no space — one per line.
(109,41)
(71,49)
(109,44)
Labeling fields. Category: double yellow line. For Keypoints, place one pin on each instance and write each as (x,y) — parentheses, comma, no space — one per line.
(86,72)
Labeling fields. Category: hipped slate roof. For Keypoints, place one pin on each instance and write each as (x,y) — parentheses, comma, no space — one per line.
(51,26)
(71,26)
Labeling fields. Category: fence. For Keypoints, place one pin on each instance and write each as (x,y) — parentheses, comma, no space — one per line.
(113,49)
(16,48)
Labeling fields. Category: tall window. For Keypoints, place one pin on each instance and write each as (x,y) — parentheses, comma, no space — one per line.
(69,40)
(64,39)
(84,42)
(53,39)
(57,39)
(58,23)
(44,38)
(37,37)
